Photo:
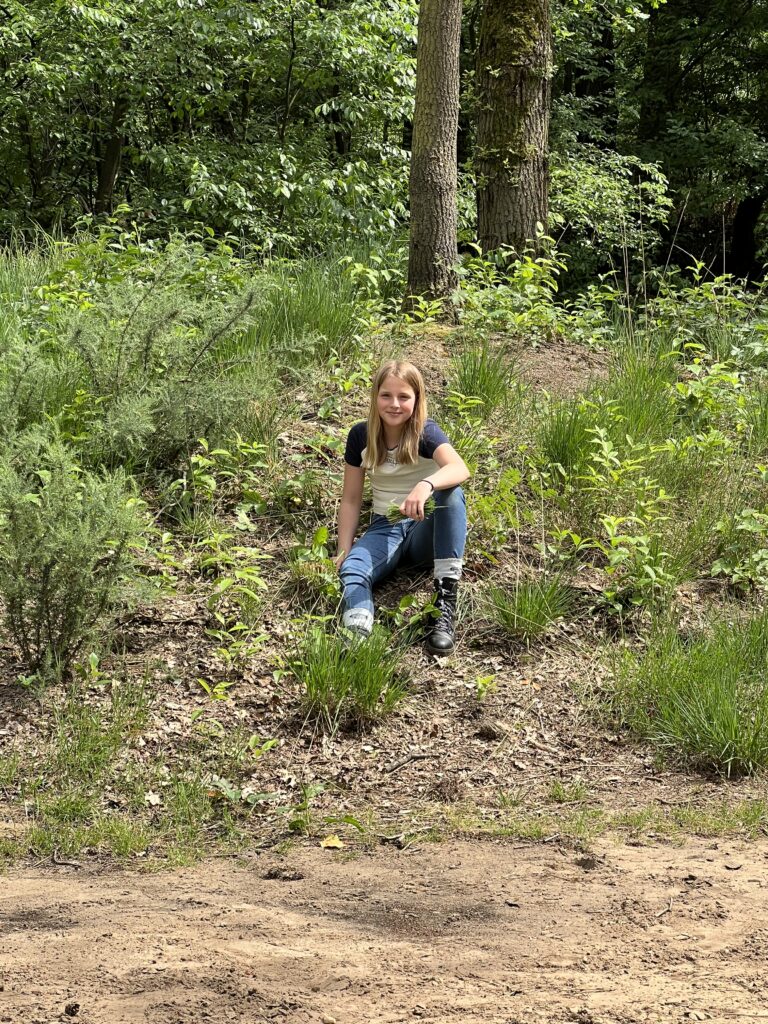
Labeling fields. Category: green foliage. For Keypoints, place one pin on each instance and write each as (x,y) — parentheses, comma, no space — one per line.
(313,582)
(348,683)
(564,438)
(611,207)
(65,551)
(704,698)
(145,360)
(744,549)
(511,292)
(311,314)
(273,123)
(495,513)
(526,609)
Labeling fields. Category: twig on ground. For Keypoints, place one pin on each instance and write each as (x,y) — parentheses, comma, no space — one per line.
(407,760)
(666,910)
(60,862)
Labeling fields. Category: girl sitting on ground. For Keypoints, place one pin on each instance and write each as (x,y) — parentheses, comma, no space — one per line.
(409,460)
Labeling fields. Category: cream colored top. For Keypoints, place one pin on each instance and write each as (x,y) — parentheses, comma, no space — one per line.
(392,482)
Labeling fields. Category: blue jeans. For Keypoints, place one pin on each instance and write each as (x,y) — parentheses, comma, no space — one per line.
(384,546)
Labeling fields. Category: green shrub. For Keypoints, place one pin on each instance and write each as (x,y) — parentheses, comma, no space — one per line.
(136,359)
(65,551)
(348,683)
(703,700)
(525,610)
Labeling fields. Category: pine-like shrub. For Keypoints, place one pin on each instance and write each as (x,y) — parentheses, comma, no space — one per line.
(65,552)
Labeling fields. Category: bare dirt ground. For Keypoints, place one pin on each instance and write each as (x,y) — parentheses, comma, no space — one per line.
(491,930)
(470,932)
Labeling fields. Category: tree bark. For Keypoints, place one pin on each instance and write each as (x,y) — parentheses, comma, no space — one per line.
(513,70)
(742,258)
(109,164)
(433,181)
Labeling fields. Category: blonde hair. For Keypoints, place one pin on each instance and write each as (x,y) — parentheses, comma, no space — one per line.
(376,444)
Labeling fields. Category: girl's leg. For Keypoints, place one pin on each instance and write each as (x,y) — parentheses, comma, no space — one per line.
(374,556)
(439,540)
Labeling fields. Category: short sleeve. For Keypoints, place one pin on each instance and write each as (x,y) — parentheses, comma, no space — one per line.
(356,442)
(431,439)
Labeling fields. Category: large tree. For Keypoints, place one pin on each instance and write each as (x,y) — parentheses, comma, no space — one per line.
(513,70)
(433,254)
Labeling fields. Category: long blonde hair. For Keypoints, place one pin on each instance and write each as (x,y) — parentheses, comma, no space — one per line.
(376,444)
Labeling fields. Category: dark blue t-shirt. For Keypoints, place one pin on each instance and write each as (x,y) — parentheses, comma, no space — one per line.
(431,438)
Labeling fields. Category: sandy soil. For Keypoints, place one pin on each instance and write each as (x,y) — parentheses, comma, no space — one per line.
(470,932)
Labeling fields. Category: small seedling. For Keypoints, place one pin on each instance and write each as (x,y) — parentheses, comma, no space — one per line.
(485,685)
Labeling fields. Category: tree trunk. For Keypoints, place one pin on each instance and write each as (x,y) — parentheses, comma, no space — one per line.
(433,254)
(742,259)
(109,164)
(513,69)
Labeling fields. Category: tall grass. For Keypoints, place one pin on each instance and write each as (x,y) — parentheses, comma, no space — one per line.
(526,609)
(703,700)
(564,438)
(311,311)
(640,390)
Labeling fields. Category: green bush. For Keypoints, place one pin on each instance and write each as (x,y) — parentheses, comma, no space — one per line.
(135,352)
(65,552)
(703,700)
(348,683)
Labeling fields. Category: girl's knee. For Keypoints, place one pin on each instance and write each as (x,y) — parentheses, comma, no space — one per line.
(355,571)
(451,496)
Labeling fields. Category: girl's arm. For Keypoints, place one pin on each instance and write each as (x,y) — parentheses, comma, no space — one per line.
(452,471)
(349,511)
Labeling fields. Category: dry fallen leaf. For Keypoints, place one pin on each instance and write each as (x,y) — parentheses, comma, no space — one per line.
(332,843)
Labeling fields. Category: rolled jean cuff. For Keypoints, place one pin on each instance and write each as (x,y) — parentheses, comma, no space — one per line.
(448,568)
(358,619)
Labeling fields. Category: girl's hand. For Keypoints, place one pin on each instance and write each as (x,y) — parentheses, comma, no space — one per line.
(339,559)
(413,506)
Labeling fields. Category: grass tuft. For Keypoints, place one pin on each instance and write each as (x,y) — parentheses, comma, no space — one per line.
(703,700)
(344,682)
(484,373)
(527,609)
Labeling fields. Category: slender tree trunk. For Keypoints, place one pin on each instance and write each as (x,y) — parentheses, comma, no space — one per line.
(109,165)
(513,70)
(433,254)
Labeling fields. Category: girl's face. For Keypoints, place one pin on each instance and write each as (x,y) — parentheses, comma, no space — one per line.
(395,401)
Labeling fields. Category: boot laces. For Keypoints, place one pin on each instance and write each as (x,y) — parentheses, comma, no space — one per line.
(444,622)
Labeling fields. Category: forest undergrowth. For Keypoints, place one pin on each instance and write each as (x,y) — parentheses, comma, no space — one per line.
(173,421)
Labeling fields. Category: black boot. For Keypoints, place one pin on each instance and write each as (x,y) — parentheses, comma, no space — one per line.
(441,637)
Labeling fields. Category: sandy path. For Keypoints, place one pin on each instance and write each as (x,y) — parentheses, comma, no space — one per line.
(470,932)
